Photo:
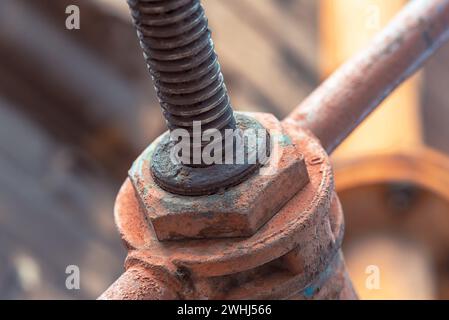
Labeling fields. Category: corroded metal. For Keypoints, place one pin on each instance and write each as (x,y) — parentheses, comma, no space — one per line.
(234,212)
(348,96)
(295,254)
(141,283)
(175,177)
(180,54)
(179,51)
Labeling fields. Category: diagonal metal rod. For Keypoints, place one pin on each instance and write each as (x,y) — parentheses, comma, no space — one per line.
(349,95)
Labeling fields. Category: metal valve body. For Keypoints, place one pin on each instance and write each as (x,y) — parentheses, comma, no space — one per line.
(277,235)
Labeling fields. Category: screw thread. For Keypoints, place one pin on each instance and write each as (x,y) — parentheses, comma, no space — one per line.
(179,52)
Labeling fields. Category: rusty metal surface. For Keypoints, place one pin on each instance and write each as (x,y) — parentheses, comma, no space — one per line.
(345,99)
(333,284)
(293,252)
(181,179)
(234,212)
(140,283)
(179,51)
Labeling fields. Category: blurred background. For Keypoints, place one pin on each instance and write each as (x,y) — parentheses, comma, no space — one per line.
(77,107)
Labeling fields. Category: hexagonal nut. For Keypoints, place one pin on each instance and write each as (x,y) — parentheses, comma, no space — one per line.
(236,212)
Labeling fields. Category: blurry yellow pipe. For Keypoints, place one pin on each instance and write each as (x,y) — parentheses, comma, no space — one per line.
(346,26)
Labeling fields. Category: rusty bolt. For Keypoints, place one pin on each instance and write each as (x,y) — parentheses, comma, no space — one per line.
(179,52)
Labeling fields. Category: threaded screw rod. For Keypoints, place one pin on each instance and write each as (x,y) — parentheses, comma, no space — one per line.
(179,52)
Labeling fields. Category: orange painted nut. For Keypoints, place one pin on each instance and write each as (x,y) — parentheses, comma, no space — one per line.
(235,212)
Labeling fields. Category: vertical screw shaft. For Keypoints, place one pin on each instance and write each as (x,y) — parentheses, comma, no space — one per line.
(179,52)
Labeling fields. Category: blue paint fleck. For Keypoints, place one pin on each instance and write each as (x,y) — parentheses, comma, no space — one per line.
(309,291)
(284,140)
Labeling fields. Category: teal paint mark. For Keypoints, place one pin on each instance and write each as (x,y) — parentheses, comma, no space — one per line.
(310,290)
(308,293)
(284,140)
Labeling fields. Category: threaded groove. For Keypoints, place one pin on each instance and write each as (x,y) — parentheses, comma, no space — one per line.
(179,52)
